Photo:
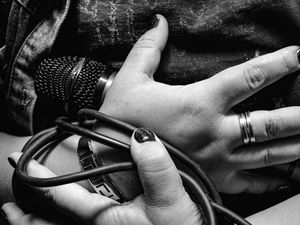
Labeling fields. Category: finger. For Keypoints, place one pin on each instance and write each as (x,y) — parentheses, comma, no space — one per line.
(158,174)
(267,125)
(72,199)
(280,123)
(257,183)
(15,216)
(145,56)
(12,212)
(267,153)
(237,83)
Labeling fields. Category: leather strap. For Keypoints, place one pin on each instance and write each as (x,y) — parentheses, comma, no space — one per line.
(101,184)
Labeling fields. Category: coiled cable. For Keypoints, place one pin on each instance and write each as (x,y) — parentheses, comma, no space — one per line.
(196,181)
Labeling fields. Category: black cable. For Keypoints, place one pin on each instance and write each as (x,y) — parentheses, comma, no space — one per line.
(196,181)
(229,214)
(74,129)
(201,197)
(109,120)
(37,136)
(194,168)
(46,138)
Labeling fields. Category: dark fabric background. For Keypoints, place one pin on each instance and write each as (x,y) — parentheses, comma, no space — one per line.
(4,11)
(206,36)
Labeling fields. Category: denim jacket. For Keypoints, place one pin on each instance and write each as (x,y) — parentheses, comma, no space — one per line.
(32,29)
(205,37)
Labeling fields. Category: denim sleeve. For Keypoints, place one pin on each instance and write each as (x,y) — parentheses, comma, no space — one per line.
(31,32)
(4,11)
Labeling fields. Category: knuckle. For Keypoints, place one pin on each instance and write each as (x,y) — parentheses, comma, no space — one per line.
(273,127)
(254,76)
(147,42)
(159,164)
(288,62)
(267,157)
(27,219)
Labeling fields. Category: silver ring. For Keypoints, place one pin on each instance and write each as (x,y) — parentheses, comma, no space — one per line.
(246,128)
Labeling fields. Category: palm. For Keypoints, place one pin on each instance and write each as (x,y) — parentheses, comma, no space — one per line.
(138,212)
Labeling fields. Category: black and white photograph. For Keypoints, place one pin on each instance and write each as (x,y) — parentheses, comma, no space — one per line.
(150,112)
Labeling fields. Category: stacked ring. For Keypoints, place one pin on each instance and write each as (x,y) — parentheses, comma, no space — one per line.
(246,128)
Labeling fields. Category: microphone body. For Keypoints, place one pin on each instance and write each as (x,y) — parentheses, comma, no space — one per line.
(76,82)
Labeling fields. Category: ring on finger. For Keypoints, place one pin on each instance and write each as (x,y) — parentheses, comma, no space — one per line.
(246,128)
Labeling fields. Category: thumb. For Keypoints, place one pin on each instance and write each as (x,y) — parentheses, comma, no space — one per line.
(145,55)
(158,174)
(71,199)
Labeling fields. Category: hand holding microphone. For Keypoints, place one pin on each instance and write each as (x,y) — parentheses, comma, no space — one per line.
(198,118)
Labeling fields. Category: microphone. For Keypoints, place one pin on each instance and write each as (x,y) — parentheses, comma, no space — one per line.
(77,82)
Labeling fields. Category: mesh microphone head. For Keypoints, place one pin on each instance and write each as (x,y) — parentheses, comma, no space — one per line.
(53,79)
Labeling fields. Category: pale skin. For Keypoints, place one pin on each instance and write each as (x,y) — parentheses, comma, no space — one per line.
(164,200)
(197,118)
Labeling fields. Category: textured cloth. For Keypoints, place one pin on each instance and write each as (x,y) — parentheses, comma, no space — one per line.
(206,36)
(4,10)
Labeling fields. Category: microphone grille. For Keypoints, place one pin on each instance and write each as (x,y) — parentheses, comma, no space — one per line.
(83,92)
(54,75)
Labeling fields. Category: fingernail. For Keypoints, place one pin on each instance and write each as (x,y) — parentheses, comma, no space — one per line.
(3,214)
(12,162)
(155,21)
(142,135)
(298,55)
(284,188)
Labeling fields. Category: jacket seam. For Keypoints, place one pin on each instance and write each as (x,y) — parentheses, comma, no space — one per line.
(18,55)
(25,7)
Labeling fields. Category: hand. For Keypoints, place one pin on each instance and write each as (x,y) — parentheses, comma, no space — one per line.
(163,202)
(198,119)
